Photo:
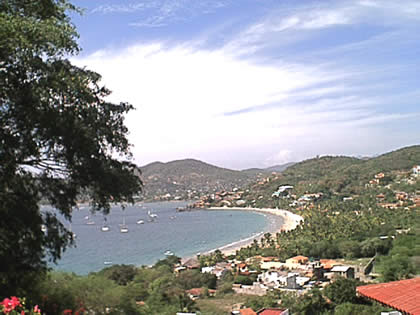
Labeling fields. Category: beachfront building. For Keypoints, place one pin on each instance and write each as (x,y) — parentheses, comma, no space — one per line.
(267,265)
(296,262)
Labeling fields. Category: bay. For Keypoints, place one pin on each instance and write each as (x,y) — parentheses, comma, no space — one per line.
(183,233)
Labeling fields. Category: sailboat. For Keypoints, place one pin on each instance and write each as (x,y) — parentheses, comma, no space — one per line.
(105,227)
(89,220)
(124,228)
(152,216)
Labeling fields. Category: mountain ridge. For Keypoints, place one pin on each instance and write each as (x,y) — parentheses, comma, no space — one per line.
(191,178)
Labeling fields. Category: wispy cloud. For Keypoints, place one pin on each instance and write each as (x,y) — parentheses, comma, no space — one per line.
(283,27)
(158,13)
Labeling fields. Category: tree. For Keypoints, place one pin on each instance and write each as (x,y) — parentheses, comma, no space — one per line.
(342,290)
(58,137)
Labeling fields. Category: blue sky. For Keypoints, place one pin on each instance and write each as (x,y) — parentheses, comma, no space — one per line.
(253,83)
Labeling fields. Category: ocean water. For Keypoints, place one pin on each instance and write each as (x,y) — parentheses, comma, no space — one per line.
(183,233)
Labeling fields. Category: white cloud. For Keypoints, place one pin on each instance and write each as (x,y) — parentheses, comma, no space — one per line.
(220,107)
(182,96)
(282,157)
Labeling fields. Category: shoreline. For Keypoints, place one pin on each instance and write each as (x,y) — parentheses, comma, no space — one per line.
(290,221)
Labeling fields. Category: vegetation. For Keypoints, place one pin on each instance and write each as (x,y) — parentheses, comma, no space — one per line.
(122,289)
(188,179)
(354,228)
(58,137)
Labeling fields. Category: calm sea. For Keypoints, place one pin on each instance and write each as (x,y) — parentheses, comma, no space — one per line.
(183,233)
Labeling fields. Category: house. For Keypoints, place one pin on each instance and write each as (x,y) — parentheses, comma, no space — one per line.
(242,267)
(416,170)
(379,175)
(282,191)
(195,293)
(343,271)
(401,195)
(380,196)
(267,265)
(295,262)
(274,279)
(247,311)
(273,311)
(328,264)
(192,263)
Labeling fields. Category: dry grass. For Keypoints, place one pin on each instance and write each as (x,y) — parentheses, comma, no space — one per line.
(220,305)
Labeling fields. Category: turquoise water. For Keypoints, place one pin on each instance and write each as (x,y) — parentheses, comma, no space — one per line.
(183,233)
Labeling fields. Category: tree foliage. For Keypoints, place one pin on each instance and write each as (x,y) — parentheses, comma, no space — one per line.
(58,136)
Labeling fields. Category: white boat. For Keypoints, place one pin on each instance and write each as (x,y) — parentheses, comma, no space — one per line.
(107,262)
(140,222)
(73,235)
(152,216)
(43,228)
(124,228)
(169,253)
(105,227)
(90,222)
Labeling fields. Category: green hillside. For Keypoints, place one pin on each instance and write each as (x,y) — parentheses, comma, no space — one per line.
(352,208)
(337,175)
(189,178)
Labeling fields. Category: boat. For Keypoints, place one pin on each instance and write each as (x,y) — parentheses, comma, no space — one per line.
(169,253)
(72,235)
(43,228)
(107,262)
(90,222)
(140,222)
(152,216)
(105,227)
(124,228)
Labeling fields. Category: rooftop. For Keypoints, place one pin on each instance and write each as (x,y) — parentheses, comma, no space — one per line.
(340,268)
(271,311)
(403,295)
(247,311)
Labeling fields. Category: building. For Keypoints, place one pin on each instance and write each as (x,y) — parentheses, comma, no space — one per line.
(343,271)
(267,265)
(273,311)
(416,170)
(191,263)
(296,262)
(403,295)
(247,311)
(195,293)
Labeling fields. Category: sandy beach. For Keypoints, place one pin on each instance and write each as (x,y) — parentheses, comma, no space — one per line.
(289,222)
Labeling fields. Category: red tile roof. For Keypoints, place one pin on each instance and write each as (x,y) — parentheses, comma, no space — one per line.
(247,311)
(403,295)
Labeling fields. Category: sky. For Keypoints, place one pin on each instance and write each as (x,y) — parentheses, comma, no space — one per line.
(255,83)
